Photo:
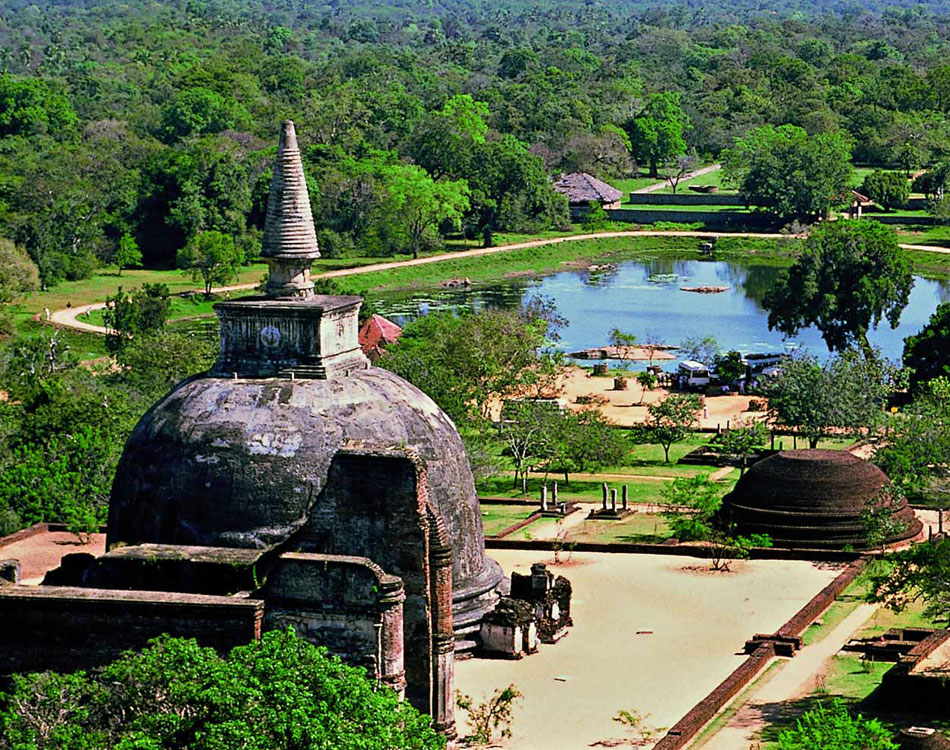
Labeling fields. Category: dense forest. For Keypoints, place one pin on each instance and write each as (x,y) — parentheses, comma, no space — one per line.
(143,133)
(156,121)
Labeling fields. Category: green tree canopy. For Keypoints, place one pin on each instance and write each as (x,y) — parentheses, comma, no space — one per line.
(849,275)
(847,393)
(789,173)
(670,420)
(466,362)
(128,254)
(927,353)
(212,257)
(656,134)
(280,693)
(418,205)
(919,573)
(18,276)
(916,451)
(32,106)
(139,311)
(890,189)
(199,110)
(832,727)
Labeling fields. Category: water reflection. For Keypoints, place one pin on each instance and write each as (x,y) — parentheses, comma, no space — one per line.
(644,298)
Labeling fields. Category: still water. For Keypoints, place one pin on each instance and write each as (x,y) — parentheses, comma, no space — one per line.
(644,298)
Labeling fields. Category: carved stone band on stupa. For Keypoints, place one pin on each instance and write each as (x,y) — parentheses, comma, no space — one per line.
(290,242)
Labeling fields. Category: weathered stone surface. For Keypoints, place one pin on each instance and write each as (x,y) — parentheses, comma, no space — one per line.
(288,226)
(235,462)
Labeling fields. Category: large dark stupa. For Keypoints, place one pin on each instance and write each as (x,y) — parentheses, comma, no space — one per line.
(246,455)
(812,499)
(292,485)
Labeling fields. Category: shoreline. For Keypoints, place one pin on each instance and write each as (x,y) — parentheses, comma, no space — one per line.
(535,258)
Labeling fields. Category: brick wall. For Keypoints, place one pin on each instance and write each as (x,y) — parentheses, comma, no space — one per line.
(65,628)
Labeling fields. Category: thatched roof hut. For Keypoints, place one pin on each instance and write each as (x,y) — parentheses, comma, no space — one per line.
(581,189)
(812,498)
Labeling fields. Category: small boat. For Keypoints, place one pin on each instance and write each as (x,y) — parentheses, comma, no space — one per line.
(705,289)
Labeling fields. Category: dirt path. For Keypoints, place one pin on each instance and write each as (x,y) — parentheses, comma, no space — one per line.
(795,679)
(67,316)
(688,176)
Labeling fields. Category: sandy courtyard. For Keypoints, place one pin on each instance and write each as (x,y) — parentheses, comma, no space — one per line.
(700,621)
(629,407)
(42,552)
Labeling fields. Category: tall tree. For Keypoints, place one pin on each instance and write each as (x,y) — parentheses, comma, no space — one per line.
(849,275)
(846,394)
(418,205)
(670,421)
(278,693)
(212,257)
(789,173)
(656,134)
(18,276)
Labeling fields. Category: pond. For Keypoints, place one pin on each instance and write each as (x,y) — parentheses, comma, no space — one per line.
(644,298)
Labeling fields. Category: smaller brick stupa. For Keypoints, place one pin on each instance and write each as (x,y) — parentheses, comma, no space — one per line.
(812,499)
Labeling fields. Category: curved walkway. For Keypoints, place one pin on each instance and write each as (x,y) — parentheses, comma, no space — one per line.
(657,186)
(67,316)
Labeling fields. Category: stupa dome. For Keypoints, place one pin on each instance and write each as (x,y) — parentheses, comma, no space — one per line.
(811,498)
(250,454)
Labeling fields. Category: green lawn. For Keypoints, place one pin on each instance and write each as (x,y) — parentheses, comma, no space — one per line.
(589,492)
(638,527)
(712,178)
(496,518)
(630,184)
(925,235)
(848,676)
(701,208)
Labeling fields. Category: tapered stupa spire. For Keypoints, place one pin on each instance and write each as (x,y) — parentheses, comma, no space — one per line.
(290,242)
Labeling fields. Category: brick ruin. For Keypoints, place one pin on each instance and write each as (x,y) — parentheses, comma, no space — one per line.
(293,485)
(814,499)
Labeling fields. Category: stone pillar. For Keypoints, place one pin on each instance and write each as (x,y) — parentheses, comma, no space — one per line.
(443,642)
(555,494)
(624,500)
(613,500)
(544,498)
(605,496)
(391,666)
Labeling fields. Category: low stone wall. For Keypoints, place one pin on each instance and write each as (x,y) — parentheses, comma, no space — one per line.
(671,548)
(925,221)
(903,690)
(65,628)
(683,731)
(685,199)
(708,218)
(18,536)
(516,526)
(822,600)
(697,717)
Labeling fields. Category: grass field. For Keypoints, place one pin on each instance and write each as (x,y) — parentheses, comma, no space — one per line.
(496,518)
(644,491)
(629,184)
(711,178)
(638,527)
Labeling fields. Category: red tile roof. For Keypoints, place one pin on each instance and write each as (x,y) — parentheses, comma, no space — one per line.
(376,334)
